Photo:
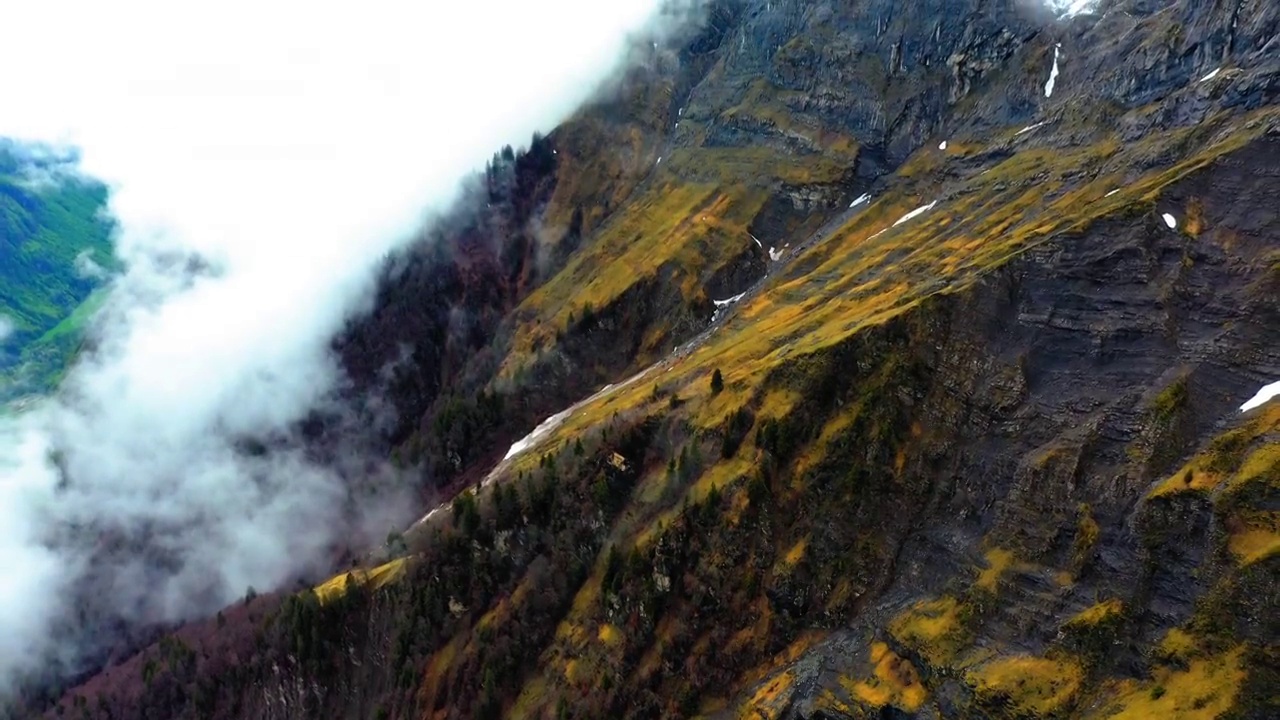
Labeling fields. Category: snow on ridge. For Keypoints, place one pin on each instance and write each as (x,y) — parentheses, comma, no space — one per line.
(915,213)
(1211,75)
(720,308)
(1262,397)
(540,433)
(861,199)
(1053,74)
(729,301)
(1069,8)
(544,428)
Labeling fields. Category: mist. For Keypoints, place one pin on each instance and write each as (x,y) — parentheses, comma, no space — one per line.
(263,158)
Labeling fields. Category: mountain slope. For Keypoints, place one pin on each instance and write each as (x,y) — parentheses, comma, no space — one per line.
(974,450)
(57,250)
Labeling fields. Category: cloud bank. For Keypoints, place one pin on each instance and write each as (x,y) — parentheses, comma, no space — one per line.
(263,157)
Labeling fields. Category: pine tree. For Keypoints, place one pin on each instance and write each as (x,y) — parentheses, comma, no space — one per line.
(490,704)
(575,222)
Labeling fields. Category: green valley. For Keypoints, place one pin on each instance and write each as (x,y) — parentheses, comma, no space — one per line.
(55,253)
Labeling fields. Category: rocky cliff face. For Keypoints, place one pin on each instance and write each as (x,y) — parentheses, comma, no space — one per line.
(983,290)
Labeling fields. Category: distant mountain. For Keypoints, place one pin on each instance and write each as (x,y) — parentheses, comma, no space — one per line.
(55,251)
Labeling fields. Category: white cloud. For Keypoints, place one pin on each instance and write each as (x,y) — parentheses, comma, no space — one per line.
(87,268)
(292,144)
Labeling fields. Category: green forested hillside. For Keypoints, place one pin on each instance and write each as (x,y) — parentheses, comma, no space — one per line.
(55,248)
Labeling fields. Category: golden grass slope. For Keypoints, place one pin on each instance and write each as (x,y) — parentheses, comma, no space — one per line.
(870,270)
(690,229)
(1037,686)
(1205,689)
(894,681)
(338,585)
(1241,463)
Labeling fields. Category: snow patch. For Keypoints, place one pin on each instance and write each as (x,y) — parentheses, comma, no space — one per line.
(1029,128)
(1069,8)
(728,301)
(1113,192)
(1211,75)
(1265,394)
(861,199)
(538,433)
(1171,221)
(775,255)
(1053,74)
(659,160)
(943,145)
(542,431)
(758,243)
(915,213)
(435,511)
(721,305)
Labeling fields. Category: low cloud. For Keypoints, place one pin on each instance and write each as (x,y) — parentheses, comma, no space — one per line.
(87,268)
(263,158)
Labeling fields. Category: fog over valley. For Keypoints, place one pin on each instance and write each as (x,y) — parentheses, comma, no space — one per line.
(262,159)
